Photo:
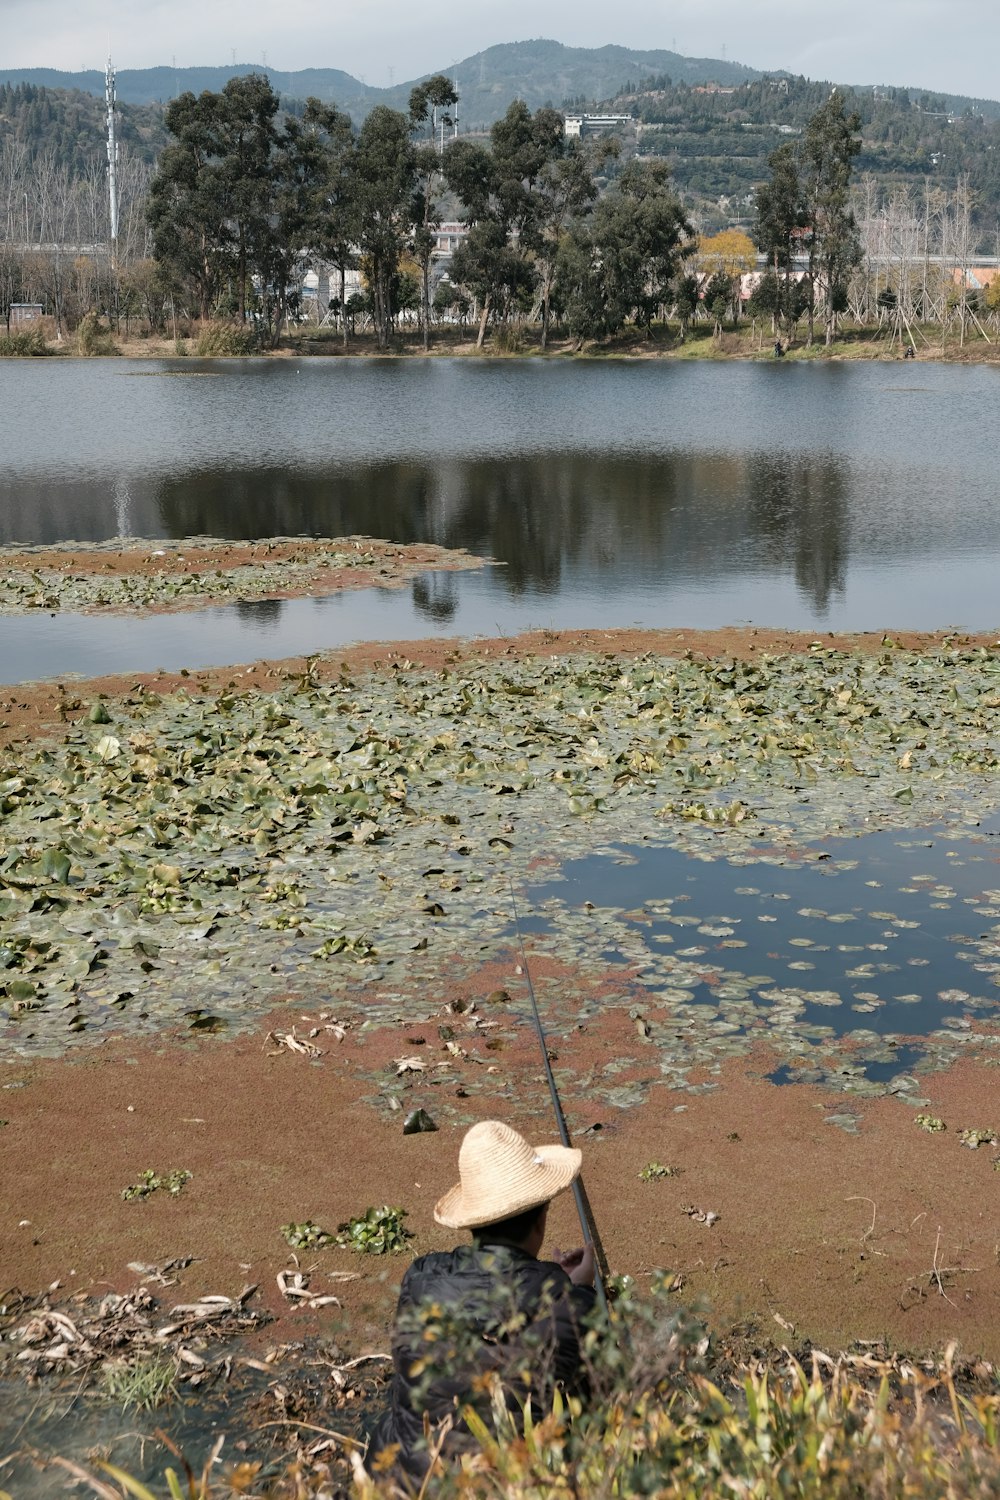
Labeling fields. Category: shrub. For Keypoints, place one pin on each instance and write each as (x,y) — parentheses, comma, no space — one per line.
(93,339)
(23,344)
(225,340)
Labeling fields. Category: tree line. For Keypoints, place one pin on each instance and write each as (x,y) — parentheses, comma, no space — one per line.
(572,233)
(242,199)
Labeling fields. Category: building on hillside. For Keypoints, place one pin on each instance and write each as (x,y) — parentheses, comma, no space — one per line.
(591,124)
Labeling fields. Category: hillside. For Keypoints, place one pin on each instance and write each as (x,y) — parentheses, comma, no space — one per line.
(717,142)
(714,122)
(68,126)
(540,72)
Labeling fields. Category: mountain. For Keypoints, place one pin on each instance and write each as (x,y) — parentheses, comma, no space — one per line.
(540,72)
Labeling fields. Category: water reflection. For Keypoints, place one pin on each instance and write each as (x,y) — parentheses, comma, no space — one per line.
(799,510)
(263,613)
(674,494)
(557,521)
(436,596)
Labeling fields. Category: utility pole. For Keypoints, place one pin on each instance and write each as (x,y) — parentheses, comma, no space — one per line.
(109,94)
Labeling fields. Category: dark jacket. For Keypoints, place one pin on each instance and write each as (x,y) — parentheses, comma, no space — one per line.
(467,1313)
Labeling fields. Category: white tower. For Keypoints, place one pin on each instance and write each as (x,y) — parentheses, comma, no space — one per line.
(109,94)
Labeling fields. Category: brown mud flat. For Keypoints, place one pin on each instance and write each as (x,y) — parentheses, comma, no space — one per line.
(821,1236)
(33,710)
(381,564)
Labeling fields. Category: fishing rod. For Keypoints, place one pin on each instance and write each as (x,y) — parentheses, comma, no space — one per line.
(583,1208)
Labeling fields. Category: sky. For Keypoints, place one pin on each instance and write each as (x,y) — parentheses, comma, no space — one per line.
(948,45)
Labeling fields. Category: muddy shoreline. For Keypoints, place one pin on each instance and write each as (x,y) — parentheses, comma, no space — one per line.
(790,1230)
(42,710)
(840,1237)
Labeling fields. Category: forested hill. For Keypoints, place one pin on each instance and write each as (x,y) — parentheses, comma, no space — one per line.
(68,127)
(718,141)
(539,72)
(714,122)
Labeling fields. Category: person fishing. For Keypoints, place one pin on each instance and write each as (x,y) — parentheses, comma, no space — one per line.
(492,1307)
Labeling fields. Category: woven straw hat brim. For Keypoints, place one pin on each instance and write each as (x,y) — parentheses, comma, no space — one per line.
(554,1169)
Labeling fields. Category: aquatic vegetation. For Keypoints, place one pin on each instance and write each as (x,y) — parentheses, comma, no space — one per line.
(306,1236)
(155,582)
(359,835)
(140,1384)
(378,1231)
(151,1182)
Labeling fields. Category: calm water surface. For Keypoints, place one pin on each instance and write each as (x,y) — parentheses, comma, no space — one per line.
(828,496)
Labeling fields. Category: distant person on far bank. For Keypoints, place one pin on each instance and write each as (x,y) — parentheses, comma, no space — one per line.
(778,350)
(492,1307)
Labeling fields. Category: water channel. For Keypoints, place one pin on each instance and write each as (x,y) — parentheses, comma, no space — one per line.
(817,497)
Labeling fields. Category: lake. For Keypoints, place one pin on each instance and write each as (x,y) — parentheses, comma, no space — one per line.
(828,496)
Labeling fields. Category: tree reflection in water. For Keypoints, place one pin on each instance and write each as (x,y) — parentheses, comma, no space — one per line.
(435,595)
(558,520)
(262,613)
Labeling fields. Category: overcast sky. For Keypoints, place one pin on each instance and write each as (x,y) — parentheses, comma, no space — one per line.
(951,45)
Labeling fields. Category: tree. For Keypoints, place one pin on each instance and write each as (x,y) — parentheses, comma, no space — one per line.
(732,254)
(642,238)
(210,201)
(500,190)
(426,100)
(719,299)
(11,280)
(828,148)
(382,188)
(781,217)
(316,207)
(566,189)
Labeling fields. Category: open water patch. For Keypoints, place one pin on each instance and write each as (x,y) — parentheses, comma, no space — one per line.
(850,949)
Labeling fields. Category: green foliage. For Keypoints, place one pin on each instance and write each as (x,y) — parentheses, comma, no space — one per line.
(93,339)
(224,340)
(930,1122)
(22,344)
(151,1182)
(654,1170)
(140,1384)
(306,1236)
(378,1231)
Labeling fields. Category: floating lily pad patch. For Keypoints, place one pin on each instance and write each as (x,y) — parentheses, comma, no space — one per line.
(175,574)
(200,859)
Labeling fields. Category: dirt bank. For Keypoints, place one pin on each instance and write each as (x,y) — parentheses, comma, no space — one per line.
(820,1234)
(41,710)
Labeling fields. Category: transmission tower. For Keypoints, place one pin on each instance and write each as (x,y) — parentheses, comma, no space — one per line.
(109,94)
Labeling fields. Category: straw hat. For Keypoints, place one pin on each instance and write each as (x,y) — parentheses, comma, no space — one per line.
(502,1175)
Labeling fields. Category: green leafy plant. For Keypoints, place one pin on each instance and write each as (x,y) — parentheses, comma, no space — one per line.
(306,1236)
(378,1231)
(139,1385)
(151,1182)
(92,338)
(654,1170)
(930,1122)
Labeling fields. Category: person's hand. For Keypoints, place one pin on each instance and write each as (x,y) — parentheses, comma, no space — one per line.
(578,1264)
